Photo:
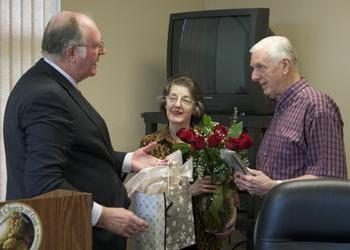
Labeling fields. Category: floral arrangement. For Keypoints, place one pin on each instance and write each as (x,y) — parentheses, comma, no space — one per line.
(203,144)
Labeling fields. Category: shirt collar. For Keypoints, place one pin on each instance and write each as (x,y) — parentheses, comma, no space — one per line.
(164,135)
(59,69)
(290,94)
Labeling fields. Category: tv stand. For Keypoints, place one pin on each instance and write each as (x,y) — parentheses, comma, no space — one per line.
(256,126)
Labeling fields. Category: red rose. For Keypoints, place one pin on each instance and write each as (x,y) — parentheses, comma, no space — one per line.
(220,129)
(198,143)
(181,133)
(232,143)
(186,135)
(214,140)
(245,141)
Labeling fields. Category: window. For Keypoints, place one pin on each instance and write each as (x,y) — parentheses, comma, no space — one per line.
(22,24)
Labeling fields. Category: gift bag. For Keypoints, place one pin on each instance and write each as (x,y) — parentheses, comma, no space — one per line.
(150,207)
(179,219)
(170,220)
(160,195)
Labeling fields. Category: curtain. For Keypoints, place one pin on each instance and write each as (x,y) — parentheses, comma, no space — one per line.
(22,24)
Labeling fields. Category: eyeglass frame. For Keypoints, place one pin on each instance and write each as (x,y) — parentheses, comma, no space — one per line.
(172,100)
(99,45)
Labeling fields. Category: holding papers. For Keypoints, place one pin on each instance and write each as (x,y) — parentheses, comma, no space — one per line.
(233,160)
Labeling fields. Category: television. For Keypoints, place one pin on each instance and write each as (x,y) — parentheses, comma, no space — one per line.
(212,47)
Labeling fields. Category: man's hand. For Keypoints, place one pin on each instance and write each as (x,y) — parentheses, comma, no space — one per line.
(256,183)
(121,221)
(202,185)
(141,158)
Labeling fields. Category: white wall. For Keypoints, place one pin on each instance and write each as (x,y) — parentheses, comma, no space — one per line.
(131,75)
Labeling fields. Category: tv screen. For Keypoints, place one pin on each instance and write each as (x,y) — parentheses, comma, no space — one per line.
(213,48)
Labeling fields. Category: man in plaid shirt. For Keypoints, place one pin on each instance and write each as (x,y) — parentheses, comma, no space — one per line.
(305,137)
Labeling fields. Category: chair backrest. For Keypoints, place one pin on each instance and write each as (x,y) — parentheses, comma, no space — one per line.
(305,214)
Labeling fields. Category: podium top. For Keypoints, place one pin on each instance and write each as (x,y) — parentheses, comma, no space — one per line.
(60,193)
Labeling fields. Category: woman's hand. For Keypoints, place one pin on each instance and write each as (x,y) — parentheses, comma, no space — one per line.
(202,185)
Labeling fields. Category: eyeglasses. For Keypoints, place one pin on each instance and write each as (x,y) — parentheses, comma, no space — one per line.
(99,45)
(184,101)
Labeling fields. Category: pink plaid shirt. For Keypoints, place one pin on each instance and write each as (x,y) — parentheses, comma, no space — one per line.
(305,136)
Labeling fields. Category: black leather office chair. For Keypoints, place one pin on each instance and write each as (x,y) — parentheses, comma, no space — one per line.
(305,215)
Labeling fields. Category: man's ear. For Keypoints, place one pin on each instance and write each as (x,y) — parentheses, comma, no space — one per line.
(70,53)
(286,65)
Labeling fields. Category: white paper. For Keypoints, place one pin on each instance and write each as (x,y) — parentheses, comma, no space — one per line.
(154,180)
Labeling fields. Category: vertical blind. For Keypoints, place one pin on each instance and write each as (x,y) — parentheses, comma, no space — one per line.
(22,24)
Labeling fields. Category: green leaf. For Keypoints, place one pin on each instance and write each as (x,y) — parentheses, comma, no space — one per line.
(235,130)
(207,121)
(218,198)
(207,127)
(184,147)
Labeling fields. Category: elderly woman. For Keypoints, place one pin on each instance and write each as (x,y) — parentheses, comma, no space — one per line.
(182,106)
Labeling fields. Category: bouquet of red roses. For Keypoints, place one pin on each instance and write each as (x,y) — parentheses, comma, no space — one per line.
(204,144)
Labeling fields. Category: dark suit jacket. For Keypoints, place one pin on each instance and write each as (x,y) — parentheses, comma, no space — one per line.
(55,139)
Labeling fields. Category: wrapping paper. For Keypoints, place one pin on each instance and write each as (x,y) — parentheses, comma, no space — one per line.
(155,180)
(151,208)
(160,196)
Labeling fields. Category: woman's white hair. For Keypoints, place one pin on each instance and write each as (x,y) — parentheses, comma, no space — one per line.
(278,48)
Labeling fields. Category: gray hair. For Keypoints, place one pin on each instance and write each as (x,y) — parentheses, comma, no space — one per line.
(61,31)
(278,48)
(195,91)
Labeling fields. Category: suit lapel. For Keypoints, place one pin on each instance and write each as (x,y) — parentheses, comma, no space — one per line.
(92,114)
(80,100)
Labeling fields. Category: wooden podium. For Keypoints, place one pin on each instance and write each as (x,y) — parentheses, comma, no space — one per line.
(56,220)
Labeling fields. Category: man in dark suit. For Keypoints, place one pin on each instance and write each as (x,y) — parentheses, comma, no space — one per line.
(55,139)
